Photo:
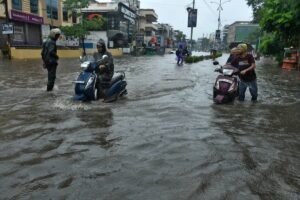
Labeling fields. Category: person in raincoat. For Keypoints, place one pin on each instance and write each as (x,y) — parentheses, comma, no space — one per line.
(105,63)
(179,55)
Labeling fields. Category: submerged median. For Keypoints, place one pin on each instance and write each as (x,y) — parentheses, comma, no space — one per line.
(194,59)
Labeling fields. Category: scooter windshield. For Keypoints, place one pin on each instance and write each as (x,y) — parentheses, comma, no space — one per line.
(87,62)
(228,72)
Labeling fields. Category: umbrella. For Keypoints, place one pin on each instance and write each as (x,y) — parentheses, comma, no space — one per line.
(235,44)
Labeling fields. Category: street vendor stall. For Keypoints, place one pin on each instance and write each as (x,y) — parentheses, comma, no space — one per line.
(291,59)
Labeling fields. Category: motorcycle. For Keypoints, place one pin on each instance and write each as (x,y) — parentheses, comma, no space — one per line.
(85,85)
(226,86)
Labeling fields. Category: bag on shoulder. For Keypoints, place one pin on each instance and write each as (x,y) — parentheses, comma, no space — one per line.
(44,52)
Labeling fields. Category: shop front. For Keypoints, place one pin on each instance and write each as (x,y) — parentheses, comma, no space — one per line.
(27,29)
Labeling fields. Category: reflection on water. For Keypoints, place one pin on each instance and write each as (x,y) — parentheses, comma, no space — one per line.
(166,140)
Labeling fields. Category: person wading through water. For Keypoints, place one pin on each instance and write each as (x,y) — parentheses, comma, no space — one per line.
(50,57)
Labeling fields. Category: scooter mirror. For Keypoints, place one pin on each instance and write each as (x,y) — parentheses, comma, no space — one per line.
(215,62)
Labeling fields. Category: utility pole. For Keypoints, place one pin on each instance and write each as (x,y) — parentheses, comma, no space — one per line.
(218,32)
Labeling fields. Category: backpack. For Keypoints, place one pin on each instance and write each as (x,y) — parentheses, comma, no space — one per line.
(44,52)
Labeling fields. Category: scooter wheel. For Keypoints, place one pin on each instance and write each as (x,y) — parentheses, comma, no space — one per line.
(124,92)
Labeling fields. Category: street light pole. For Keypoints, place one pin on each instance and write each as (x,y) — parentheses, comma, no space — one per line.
(220,3)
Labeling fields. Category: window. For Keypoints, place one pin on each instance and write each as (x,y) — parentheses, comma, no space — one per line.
(65,14)
(74,17)
(52,8)
(17,4)
(34,6)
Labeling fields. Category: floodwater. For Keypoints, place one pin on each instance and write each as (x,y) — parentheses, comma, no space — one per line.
(166,141)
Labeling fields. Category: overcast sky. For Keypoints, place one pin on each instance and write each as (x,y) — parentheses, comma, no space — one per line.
(174,13)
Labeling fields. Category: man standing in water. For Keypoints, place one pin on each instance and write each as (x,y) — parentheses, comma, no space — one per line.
(246,64)
(50,57)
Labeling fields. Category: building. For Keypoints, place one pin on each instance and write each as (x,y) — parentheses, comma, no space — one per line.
(225,36)
(164,35)
(242,31)
(31,21)
(120,22)
(146,26)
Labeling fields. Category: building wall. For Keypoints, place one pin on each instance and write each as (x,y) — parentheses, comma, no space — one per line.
(36,53)
(240,31)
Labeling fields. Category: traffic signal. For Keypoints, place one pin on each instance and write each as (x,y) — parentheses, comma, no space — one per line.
(218,35)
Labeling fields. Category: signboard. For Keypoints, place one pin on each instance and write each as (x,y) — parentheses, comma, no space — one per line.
(7,28)
(25,17)
(45,29)
(192,18)
(127,13)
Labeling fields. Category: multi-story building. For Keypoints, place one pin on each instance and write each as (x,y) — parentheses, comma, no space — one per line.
(146,27)
(133,4)
(31,21)
(120,22)
(225,36)
(164,35)
(242,31)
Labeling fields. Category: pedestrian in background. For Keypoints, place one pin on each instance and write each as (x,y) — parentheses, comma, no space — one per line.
(179,55)
(50,57)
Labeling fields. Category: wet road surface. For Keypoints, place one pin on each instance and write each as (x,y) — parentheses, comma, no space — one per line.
(167,140)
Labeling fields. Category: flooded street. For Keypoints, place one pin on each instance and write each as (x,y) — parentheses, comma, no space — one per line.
(166,140)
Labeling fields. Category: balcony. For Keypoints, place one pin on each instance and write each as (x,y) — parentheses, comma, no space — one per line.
(148,27)
(149,15)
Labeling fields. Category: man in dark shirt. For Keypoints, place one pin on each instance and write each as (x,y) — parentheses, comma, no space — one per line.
(50,57)
(246,64)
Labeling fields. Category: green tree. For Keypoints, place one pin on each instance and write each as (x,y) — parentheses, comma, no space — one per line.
(257,6)
(80,30)
(205,44)
(72,5)
(280,23)
(282,17)
(180,37)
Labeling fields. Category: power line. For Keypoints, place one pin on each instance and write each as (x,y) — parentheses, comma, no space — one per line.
(207,4)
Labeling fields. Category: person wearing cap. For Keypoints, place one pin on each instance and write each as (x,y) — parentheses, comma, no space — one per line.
(105,63)
(247,77)
(50,57)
